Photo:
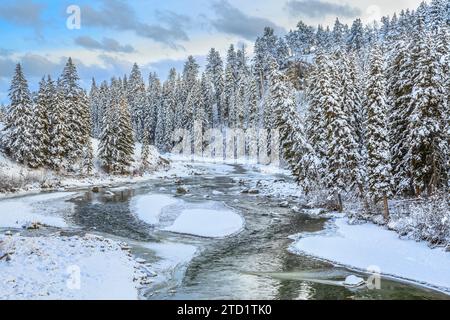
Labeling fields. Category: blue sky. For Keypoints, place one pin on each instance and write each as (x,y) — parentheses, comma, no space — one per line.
(156,34)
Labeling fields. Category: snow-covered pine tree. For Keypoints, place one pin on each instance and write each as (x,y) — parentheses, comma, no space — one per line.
(428,138)
(207,92)
(351,93)
(214,70)
(137,100)
(95,107)
(356,39)
(282,52)
(294,146)
(232,60)
(124,145)
(154,101)
(447,14)
(145,152)
(385,28)
(378,160)
(265,48)
(190,76)
(338,34)
(103,97)
(269,111)
(443,56)
(269,119)
(184,112)
(86,119)
(201,118)
(370,35)
(40,132)
(159,129)
(342,148)
(252,118)
(399,96)
(88,158)
(423,13)
(230,86)
(389,33)
(318,91)
(76,108)
(18,130)
(192,103)
(321,38)
(252,103)
(108,136)
(169,108)
(87,165)
(3,111)
(228,96)
(240,99)
(196,111)
(402,25)
(242,61)
(301,39)
(58,125)
(180,100)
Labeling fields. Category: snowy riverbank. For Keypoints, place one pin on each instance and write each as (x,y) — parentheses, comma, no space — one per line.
(58,267)
(17,179)
(366,245)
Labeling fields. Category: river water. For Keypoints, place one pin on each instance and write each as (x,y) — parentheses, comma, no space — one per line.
(253,264)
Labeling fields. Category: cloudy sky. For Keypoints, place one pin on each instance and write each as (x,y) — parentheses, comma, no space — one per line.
(156,34)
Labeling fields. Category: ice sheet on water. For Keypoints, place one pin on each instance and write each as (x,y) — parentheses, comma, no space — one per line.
(16,212)
(149,207)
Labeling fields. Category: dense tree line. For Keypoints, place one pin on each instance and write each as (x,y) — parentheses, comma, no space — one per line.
(378,117)
(52,128)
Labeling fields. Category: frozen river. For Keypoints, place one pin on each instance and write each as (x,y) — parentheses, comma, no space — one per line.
(205,239)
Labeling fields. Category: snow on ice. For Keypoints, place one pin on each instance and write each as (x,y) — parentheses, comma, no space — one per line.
(17,212)
(207,223)
(148,207)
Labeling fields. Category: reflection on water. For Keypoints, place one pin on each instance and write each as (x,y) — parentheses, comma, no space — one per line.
(252,265)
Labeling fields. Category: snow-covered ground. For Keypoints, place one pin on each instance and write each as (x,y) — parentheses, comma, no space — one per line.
(207,223)
(364,246)
(56,267)
(279,188)
(19,212)
(181,167)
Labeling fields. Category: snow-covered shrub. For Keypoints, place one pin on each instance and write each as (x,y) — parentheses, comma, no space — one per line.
(319,199)
(14,176)
(425,219)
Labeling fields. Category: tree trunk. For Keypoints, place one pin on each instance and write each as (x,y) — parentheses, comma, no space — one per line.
(340,206)
(261,76)
(386,207)
(364,198)
(417,191)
